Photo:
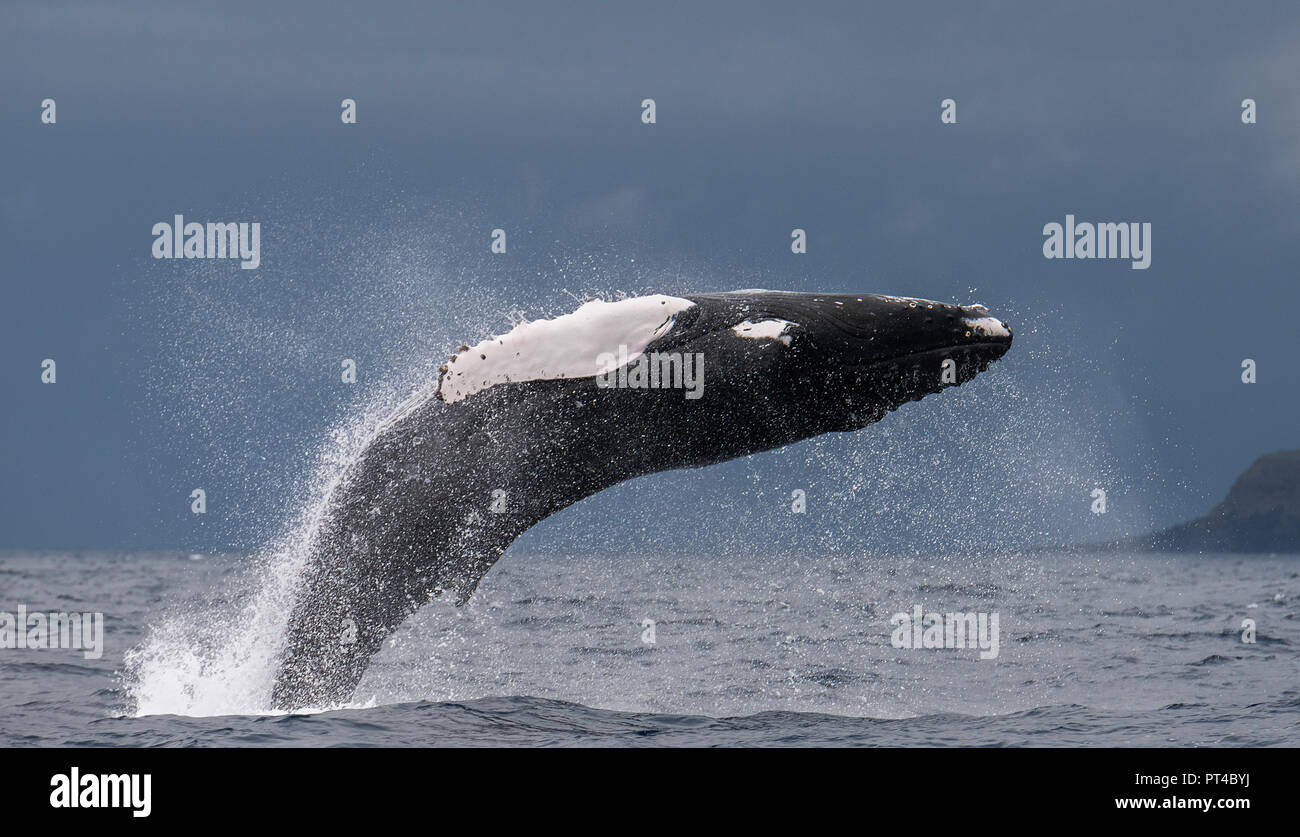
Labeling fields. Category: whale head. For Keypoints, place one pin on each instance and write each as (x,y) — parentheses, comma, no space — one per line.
(834,362)
(760,368)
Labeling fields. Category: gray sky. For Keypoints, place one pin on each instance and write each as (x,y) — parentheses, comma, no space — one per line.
(174,375)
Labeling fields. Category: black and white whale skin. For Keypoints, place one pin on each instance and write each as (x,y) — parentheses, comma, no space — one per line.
(421,512)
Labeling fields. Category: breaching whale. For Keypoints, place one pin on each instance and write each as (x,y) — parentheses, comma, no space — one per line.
(534,420)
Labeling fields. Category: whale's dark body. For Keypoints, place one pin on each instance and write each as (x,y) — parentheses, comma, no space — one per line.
(413,516)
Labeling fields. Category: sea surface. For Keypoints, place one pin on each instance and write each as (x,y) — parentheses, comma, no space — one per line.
(1143,650)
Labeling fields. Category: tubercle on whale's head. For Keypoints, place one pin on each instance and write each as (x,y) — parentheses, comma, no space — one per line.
(840,361)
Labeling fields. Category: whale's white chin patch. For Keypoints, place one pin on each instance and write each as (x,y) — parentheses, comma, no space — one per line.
(568,346)
(773,329)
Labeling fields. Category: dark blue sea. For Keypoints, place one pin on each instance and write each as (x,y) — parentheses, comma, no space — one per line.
(1142,650)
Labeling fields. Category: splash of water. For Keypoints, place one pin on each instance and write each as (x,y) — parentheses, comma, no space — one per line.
(220,658)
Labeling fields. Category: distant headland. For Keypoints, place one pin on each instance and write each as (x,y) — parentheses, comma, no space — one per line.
(1260,514)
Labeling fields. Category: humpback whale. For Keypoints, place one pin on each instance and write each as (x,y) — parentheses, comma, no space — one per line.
(524,424)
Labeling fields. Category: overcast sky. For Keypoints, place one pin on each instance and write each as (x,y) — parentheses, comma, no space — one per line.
(770,116)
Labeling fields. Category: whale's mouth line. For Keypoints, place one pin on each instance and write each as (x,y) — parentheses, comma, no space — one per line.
(1004,344)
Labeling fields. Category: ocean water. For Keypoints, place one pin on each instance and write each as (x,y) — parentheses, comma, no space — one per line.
(1143,650)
